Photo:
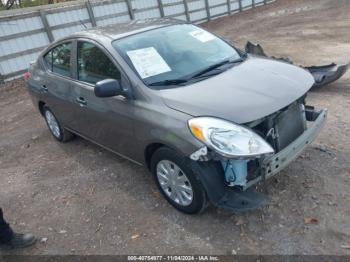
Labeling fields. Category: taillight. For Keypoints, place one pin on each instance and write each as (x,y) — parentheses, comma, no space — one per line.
(27,75)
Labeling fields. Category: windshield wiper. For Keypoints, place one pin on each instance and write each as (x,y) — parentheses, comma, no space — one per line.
(198,74)
(215,66)
(169,82)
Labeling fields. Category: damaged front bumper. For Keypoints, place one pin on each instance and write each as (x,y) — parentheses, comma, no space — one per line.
(323,75)
(327,74)
(244,198)
(274,164)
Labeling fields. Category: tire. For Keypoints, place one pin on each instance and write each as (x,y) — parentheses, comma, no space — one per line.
(59,133)
(176,188)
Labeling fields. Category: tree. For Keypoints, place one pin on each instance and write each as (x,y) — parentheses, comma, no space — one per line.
(8,4)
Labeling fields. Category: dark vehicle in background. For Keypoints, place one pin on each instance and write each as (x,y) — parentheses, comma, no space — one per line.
(208,120)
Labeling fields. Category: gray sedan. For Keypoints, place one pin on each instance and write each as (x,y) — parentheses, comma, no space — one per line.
(207,119)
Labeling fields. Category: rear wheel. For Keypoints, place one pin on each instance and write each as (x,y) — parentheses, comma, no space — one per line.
(55,128)
(177,182)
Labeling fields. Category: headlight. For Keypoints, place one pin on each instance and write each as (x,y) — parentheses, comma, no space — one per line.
(228,139)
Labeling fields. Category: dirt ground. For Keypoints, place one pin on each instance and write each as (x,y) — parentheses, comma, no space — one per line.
(80,199)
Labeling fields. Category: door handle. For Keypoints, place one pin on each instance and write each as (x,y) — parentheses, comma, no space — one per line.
(44,88)
(81,101)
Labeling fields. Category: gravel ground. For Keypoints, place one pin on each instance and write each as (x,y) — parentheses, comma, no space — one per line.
(80,199)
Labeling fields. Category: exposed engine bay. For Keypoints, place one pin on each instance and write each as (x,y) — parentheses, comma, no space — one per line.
(277,131)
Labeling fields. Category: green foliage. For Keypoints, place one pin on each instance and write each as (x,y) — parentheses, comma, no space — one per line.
(29,3)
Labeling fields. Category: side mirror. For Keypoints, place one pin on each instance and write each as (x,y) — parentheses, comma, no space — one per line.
(108,88)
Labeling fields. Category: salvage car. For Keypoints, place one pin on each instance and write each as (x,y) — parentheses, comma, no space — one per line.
(208,120)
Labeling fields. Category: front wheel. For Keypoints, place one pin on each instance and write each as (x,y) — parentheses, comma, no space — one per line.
(177,181)
(55,128)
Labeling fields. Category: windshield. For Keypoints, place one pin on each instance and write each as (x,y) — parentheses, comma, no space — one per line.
(171,55)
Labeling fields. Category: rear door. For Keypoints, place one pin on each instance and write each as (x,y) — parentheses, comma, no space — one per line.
(107,121)
(56,84)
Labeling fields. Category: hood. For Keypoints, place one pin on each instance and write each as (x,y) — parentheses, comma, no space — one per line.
(251,90)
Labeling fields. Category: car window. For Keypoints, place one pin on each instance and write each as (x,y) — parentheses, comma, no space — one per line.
(94,65)
(58,59)
(173,52)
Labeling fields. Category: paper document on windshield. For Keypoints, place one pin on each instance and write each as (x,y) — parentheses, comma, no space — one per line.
(202,35)
(148,62)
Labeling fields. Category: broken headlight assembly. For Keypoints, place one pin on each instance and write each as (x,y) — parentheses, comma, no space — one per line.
(228,139)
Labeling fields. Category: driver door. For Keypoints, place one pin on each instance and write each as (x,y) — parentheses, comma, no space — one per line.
(106,121)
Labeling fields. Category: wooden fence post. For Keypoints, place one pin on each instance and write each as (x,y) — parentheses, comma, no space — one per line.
(46,25)
(91,13)
(131,11)
(207,8)
(161,8)
(2,79)
(240,5)
(187,13)
(229,7)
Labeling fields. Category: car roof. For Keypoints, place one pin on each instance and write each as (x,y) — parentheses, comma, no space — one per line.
(119,30)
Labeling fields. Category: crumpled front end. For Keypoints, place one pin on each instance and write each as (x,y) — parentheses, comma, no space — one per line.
(274,164)
(288,131)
